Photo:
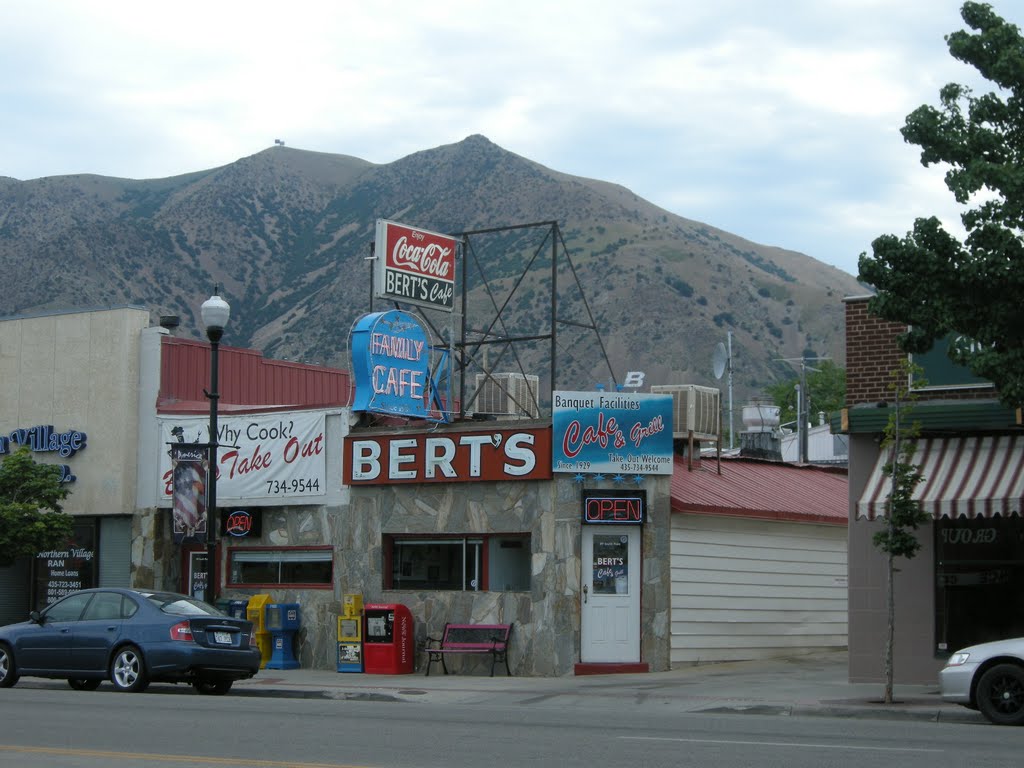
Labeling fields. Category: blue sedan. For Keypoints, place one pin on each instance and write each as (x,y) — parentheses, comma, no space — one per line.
(132,638)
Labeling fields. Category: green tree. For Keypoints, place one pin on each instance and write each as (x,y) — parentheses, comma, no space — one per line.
(928,279)
(32,519)
(904,515)
(826,387)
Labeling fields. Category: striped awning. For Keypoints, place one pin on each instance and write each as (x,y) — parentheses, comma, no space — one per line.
(963,476)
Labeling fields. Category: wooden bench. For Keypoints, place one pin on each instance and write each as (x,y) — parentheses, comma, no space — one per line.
(470,638)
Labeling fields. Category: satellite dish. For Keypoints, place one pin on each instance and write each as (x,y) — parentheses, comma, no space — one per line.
(719,360)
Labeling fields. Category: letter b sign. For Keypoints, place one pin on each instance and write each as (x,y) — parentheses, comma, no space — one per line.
(634,379)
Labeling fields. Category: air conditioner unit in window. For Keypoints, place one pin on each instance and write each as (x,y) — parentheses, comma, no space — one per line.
(507,395)
(694,409)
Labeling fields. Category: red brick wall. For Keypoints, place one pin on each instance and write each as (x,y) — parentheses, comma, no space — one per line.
(872,353)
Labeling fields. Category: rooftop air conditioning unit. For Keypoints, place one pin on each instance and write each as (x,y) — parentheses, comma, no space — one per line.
(507,395)
(694,409)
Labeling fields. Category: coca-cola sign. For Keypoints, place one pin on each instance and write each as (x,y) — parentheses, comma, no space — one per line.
(415,266)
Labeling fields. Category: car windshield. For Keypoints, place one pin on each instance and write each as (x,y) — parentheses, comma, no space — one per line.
(180,605)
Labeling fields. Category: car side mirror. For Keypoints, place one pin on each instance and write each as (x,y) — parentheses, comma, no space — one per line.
(36,617)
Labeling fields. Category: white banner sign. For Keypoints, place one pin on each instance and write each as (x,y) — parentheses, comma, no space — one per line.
(265,456)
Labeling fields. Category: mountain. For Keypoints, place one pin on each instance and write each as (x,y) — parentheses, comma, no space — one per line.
(286,234)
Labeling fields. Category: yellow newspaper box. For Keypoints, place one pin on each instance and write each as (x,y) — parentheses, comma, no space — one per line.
(353,605)
(350,635)
(257,614)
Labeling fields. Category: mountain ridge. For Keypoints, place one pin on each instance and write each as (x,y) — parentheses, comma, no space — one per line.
(286,232)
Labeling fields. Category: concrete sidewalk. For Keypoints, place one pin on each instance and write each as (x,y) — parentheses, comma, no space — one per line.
(807,685)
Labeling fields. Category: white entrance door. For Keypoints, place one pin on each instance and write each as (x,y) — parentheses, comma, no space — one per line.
(611,594)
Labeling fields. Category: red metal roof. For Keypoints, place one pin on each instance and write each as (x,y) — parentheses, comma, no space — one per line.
(245,379)
(761,489)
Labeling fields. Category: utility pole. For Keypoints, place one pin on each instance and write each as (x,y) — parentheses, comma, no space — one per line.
(803,399)
(729,359)
(805,414)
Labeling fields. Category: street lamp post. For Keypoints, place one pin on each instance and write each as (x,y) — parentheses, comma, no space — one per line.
(215,313)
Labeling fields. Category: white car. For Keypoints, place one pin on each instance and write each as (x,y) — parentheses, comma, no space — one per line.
(988,677)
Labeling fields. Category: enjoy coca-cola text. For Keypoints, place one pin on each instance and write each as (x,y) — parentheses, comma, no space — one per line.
(431,259)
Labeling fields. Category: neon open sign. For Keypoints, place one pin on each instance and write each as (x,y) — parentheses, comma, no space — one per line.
(614,507)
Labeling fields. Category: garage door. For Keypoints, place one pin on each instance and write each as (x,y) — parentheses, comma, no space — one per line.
(750,589)
(115,560)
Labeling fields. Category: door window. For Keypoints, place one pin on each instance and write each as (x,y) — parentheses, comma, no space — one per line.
(104,607)
(611,564)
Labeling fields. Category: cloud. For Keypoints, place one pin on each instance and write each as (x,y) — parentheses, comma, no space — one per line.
(776,121)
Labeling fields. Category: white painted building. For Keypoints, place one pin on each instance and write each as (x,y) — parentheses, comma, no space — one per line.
(758,561)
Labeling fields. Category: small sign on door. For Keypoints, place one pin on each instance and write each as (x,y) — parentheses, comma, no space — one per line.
(611,565)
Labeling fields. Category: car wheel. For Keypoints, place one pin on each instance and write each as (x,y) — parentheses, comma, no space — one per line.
(212,687)
(81,684)
(8,674)
(128,670)
(1001,694)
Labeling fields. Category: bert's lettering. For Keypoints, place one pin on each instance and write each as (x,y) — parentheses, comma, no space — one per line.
(459,457)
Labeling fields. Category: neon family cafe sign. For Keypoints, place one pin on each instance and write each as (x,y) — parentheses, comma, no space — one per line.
(44,439)
(391,360)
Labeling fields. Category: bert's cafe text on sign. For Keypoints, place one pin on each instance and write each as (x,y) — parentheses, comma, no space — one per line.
(415,266)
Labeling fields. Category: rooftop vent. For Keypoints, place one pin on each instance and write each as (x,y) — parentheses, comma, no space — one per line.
(694,409)
(507,395)
(761,417)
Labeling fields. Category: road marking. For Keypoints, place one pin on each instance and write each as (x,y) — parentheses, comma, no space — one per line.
(778,744)
(196,759)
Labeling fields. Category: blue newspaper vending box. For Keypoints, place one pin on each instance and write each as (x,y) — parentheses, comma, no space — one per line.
(283,621)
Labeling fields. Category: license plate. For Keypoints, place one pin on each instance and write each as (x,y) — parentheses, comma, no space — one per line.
(222,638)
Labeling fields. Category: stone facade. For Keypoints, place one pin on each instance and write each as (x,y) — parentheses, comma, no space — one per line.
(546,635)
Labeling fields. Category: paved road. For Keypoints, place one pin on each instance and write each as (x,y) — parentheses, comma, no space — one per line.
(469,723)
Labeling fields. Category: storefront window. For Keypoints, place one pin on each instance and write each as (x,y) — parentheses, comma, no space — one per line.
(475,563)
(268,567)
(979,568)
(63,571)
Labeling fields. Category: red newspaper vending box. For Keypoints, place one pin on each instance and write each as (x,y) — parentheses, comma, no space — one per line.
(388,639)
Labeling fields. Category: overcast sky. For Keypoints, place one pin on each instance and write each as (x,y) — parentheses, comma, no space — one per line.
(777,121)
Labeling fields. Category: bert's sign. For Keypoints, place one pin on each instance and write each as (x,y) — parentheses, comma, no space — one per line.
(415,266)
(455,457)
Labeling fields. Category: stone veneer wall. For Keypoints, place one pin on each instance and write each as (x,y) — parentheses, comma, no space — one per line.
(156,564)
(546,636)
